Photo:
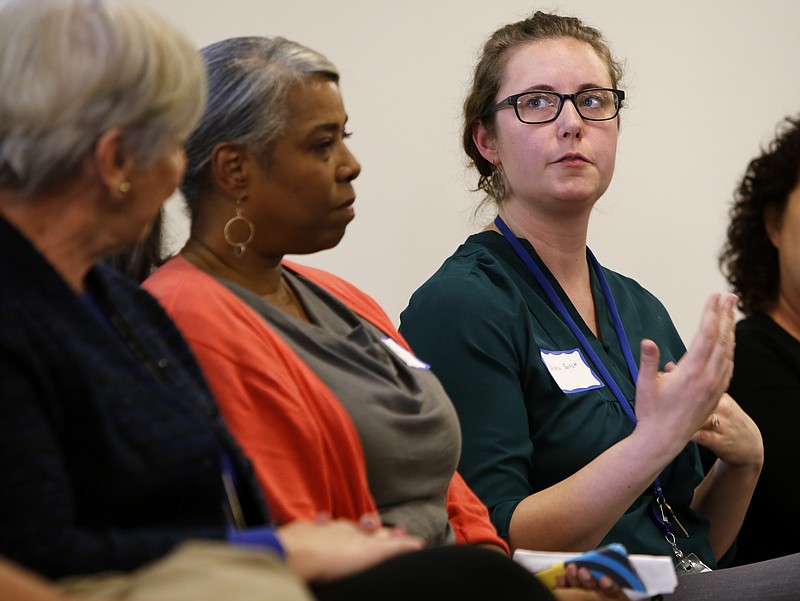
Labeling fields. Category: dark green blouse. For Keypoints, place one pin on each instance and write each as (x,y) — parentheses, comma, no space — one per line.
(481,321)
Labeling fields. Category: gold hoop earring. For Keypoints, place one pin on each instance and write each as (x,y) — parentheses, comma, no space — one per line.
(239,247)
(124,187)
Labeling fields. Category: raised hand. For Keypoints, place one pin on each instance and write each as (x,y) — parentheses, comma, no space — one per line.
(675,404)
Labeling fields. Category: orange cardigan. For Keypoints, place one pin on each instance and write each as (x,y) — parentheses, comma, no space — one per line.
(304,447)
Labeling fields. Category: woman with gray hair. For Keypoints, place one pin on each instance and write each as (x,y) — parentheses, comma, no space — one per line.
(112,452)
(269,174)
(324,396)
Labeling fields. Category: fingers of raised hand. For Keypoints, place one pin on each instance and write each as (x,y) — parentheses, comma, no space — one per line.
(709,361)
(706,337)
(727,326)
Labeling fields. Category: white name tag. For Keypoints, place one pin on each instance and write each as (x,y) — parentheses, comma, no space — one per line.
(570,370)
(404,355)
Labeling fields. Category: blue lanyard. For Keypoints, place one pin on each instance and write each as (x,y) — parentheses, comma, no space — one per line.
(658,513)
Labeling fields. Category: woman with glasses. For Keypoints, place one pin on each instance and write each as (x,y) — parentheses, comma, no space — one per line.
(579,405)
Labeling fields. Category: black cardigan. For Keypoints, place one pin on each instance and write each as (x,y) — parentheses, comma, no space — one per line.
(110,441)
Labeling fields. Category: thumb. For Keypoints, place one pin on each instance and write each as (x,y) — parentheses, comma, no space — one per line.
(648,367)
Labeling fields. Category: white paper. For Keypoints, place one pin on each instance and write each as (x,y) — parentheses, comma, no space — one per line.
(656,571)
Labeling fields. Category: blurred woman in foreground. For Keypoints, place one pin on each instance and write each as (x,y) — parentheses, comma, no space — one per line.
(112,452)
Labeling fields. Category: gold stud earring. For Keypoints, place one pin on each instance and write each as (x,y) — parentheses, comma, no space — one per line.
(124,187)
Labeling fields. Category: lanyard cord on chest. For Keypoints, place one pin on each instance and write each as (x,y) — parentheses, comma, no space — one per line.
(659,512)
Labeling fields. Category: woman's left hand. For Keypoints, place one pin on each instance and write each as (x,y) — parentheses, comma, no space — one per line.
(732,435)
(724,494)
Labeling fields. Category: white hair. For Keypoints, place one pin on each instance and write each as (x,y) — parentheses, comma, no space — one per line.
(72,69)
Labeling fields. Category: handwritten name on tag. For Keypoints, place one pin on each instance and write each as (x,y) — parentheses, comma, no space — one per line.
(570,370)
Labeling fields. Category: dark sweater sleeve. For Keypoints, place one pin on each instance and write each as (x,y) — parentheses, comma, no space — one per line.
(39,507)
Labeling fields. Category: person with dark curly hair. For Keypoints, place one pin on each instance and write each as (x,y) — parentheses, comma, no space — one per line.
(761,260)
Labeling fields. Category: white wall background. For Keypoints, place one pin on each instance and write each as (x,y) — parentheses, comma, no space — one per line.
(706,83)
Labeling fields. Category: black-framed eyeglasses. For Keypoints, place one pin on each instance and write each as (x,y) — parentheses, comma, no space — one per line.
(539,106)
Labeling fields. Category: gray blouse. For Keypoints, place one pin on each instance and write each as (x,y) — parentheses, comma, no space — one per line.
(406,422)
